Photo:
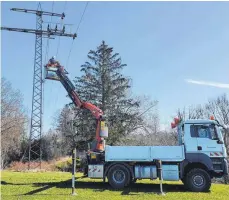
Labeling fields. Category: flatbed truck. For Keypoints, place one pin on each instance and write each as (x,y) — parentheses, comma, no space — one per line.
(199,156)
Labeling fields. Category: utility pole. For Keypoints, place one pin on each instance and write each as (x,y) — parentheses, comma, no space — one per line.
(35,147)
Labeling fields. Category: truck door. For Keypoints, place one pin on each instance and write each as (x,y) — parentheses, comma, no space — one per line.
(189,140)
(206,135)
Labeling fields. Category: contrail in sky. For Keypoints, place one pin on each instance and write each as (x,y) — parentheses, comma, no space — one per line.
(207,83)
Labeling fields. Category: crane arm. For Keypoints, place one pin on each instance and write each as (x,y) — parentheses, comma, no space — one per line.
(96,112)
(69,87)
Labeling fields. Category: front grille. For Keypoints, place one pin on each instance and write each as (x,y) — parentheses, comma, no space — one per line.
(218,167)
(217,164)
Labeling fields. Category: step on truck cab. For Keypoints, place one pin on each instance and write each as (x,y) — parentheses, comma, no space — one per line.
(199,156)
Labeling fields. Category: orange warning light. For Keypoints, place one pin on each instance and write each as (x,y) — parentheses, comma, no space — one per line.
(176,120)
(173,125)
(212,118)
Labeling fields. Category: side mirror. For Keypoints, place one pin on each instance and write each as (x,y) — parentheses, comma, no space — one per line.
(219,142)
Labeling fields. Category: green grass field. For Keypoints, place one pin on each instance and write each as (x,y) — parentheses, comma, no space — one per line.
(57,185)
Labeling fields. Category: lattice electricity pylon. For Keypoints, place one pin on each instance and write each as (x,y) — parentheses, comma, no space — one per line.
(35,149)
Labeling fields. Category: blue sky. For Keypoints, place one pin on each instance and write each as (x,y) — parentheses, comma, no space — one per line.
(162,43)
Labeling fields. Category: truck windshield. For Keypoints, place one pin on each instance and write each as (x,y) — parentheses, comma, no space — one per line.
(213,132)
(206,131)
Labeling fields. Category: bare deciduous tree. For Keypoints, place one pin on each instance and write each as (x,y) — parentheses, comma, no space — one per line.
(219,108)
(13,121)
(70,130)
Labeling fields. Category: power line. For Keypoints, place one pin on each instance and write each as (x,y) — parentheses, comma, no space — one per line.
(59,40)
(82,16)
(147,109)
(76,32)
(57,23)
(47,50)
(47,43)
(58,46)
(43,92)
(63,27)
(69,54)
(65,5)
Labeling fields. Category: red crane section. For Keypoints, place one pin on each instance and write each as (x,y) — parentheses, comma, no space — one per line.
(96,112)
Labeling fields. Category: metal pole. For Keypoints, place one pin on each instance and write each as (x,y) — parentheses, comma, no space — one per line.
(160,177)
(159,174)
(35,151)
(73,171)
(35,145)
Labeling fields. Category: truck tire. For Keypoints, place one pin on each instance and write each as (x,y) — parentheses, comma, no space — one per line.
(118,176)
(197,180)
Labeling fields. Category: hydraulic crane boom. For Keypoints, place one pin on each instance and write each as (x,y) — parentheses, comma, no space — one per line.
(96,112)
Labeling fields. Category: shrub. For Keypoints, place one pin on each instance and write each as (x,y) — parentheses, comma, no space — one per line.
(23,166)
(66,166)
(63,164)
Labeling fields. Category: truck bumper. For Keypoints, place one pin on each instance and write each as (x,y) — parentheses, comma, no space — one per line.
(225,163)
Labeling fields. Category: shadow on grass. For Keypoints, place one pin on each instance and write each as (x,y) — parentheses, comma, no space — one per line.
(133,189)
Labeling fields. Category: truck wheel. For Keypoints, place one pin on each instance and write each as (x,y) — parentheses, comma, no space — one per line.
(198,180)
(118,176)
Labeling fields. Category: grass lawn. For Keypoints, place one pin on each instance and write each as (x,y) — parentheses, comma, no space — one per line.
(57,185)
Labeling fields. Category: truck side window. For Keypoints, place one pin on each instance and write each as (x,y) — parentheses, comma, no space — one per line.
(193,131)
(203,131)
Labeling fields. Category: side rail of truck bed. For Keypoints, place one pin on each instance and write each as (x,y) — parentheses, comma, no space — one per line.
(144,153)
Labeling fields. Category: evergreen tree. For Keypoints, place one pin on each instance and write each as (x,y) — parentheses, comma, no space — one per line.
(103,85)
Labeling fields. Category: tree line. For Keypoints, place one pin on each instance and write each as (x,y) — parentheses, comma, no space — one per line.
(132,120)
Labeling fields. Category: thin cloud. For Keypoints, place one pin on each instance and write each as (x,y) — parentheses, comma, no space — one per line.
(213,84)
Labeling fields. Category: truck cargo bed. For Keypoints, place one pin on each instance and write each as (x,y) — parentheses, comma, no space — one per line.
(144,153)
